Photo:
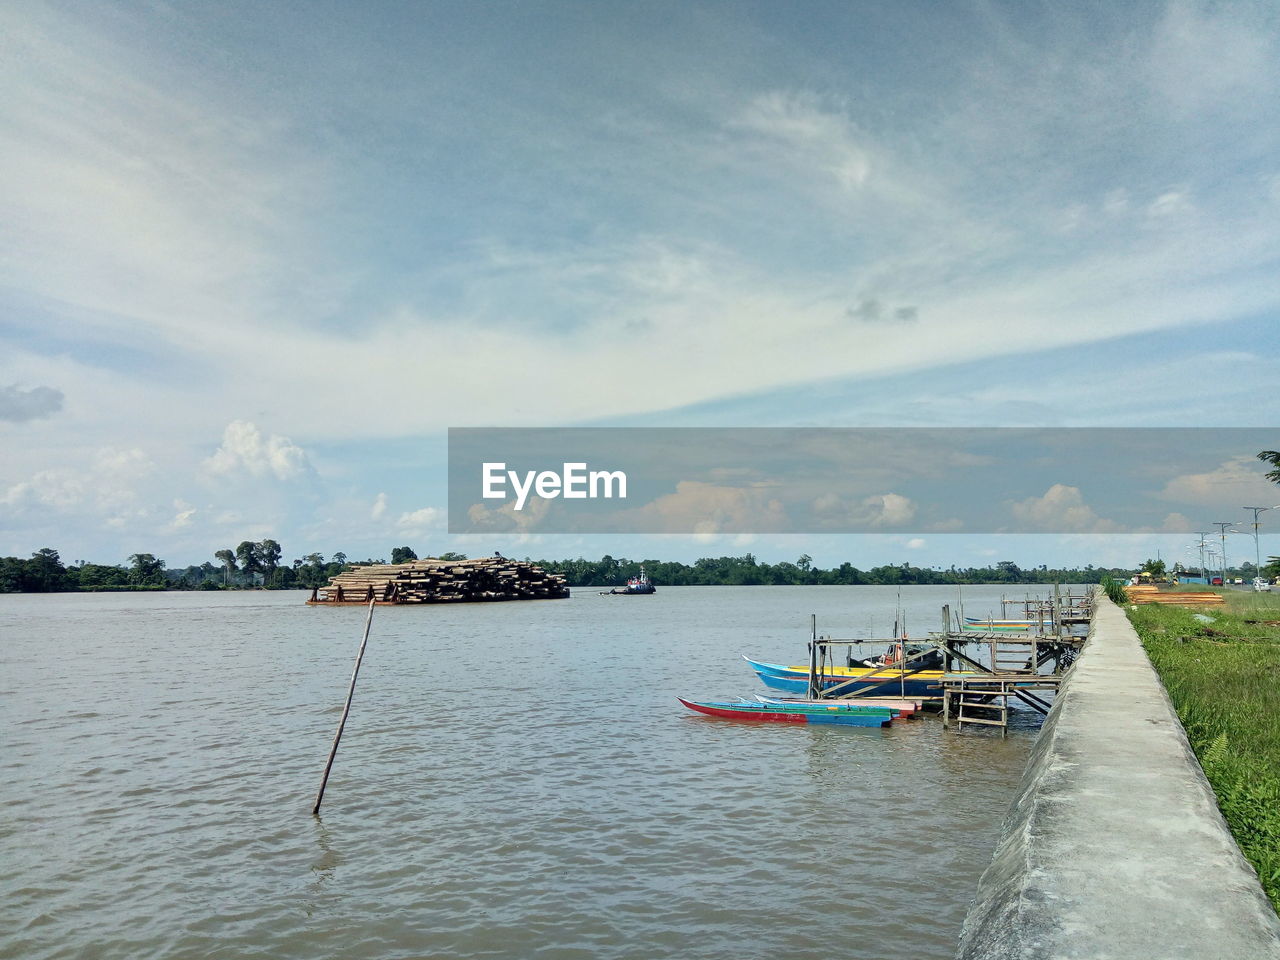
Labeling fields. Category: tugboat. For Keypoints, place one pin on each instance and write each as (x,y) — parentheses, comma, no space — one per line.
(636,586)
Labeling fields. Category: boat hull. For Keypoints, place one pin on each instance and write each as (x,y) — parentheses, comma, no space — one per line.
(763,713)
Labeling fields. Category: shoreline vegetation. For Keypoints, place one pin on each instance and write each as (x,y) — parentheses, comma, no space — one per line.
(1220,668)
(258,566)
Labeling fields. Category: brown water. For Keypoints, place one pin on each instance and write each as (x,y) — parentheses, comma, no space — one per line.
(516,780)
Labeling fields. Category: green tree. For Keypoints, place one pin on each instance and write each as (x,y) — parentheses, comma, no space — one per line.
(228,560)
(146,570)
(247,555)
(45,572)
(450,555)
(1154,567)
(402,554)
(1272,457)
(268,555)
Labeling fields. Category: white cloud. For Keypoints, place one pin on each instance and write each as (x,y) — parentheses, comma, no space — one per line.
(420,521)
(1061,510)
(809,135)
(244,451)
(109,483)
(379,507)
(915,543)
(709,509)
(1233,482)
(1170,203)
(182,519)
(877,510)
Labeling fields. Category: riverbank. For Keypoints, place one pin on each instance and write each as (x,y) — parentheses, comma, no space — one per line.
(1114,846)
(1220,667)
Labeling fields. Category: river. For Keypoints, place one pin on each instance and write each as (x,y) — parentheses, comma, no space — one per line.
(516,781)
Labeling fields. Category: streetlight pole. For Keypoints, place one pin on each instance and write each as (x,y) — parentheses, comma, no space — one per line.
(1222,529)
(1257,551)
(1203,571)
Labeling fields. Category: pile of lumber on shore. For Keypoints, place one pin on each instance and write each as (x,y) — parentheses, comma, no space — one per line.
(442,581)
(1149,594)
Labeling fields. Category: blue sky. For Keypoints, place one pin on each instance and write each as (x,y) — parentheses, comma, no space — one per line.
(258,258)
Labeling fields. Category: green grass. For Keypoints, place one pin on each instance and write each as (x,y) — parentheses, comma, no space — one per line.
(1223,677)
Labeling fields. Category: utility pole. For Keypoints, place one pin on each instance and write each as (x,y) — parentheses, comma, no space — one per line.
(1257,551)
(1222,529)
(1202,534)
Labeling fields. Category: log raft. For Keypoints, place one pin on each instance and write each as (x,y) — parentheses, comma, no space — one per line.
(442,581)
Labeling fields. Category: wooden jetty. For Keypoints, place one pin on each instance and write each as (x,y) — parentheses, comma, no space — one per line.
(980,671)
(484,579)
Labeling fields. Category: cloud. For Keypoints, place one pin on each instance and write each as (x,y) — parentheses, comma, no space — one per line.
(108,490)
(1061,510)
(18,405)
(245,451)
(916,543)
(871,310)
(708,508)
(380,507)
(1228,485)
(808,134)
(876,511)
(418,522)
(506,518)
(182,519)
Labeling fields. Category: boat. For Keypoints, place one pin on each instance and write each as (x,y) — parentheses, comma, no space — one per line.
(769,713)
(795,679)
(898,706)
(637,586)
(1002,626)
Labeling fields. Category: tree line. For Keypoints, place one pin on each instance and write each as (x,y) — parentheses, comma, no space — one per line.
(747,570)
(248,566)
(257,565)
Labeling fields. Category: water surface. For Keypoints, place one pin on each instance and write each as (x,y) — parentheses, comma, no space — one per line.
(516,780)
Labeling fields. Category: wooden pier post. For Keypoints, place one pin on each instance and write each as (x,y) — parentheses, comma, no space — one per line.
(814,686)
(333,750)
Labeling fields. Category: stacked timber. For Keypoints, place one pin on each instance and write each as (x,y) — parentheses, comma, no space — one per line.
(443,581)
(1144,593)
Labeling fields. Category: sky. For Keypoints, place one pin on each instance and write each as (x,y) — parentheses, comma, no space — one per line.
(257,258)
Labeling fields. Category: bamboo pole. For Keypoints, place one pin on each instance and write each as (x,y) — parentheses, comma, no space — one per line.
(333,750)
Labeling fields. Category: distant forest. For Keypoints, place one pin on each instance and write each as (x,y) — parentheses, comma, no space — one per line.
(257,565)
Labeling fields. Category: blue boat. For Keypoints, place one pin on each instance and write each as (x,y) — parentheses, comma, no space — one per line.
(795,679)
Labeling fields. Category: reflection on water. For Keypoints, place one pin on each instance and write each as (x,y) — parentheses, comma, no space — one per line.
(515,780)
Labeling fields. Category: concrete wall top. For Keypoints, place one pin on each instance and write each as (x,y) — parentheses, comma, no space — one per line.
(1114,846)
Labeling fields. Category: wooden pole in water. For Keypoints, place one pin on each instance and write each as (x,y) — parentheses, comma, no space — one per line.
(333,750)
(814,688)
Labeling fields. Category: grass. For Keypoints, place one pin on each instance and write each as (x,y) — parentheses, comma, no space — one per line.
(1221,667)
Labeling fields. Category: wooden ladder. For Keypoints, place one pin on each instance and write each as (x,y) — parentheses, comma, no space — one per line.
(992,710)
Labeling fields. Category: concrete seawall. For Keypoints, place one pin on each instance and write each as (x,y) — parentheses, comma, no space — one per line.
(1114,847)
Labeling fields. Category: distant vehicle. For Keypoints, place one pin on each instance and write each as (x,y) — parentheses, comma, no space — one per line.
(1217,581)
(1261,585)
(1238,580)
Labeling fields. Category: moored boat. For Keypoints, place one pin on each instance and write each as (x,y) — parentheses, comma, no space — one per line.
(770,713)
(1002,626)
(795,679)
(899,707)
